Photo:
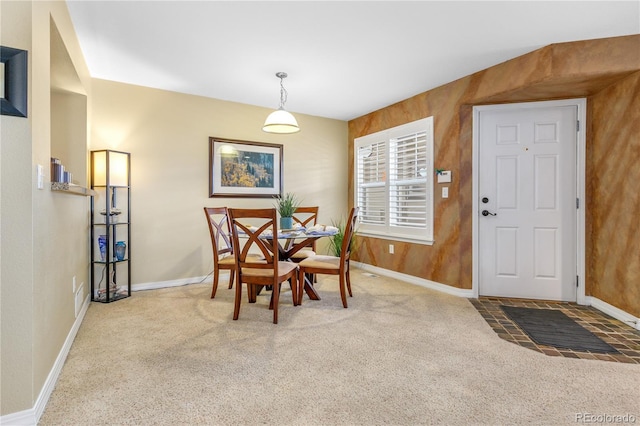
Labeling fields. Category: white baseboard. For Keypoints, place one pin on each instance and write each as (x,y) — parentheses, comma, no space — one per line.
(460,292)
(606,308)
(174,283)
(32,415)
(26,417)
(614,312)
(373,269)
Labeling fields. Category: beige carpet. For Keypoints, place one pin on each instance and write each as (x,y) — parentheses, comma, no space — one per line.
(400,355)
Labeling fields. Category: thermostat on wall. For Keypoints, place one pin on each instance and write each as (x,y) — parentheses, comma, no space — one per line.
(444,176)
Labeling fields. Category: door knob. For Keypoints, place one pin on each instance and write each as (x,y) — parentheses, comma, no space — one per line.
(487,213)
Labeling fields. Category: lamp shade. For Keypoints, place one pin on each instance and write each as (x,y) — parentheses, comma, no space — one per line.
(117,164)
(280,121)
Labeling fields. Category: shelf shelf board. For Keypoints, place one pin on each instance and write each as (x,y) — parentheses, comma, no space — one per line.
(103,298)
(104,262)
(70,188)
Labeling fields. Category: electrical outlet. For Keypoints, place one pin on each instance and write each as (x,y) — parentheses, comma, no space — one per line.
(73,289)
(79,299)
(391,248)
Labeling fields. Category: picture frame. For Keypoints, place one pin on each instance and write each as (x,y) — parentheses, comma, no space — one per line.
(14,70)
(244,169)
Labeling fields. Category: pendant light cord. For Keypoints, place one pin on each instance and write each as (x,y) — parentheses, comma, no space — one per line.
(283,93)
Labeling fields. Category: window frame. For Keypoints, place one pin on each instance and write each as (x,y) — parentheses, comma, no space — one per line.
(419,235)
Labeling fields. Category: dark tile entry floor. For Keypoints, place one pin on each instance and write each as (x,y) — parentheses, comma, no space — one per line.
(621,336)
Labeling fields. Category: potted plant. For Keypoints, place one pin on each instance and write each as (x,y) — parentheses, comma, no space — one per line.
(335,242)
(286,206)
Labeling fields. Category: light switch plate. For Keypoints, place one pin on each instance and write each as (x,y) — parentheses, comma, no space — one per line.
(444,176)
(445,192)
(40,176)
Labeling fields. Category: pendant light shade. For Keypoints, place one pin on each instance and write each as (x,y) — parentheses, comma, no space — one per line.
(281,121)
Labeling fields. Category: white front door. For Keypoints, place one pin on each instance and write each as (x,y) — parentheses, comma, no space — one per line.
(527,201)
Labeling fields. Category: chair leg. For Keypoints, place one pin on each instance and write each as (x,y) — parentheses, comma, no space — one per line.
(343,294)
(232,274)
(236,307)
(300,285)
(271,299)
(293,282)
(215,284)
(349,280)
(275,296)
(252,293)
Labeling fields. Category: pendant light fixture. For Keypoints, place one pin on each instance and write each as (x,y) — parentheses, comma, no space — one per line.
(281,121)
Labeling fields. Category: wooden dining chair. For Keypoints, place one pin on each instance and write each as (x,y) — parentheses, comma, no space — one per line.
(223,259)
(332,265)
(218,221)
(248,230)
(306,217)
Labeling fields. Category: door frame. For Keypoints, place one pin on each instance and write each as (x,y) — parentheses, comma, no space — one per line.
(581,104)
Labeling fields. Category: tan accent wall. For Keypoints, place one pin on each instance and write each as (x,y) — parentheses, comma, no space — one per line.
(558,71)
(613,198)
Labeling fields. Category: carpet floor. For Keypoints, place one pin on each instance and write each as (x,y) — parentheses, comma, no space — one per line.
(399,355)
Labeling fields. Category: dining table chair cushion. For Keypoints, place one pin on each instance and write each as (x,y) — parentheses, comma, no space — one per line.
(230,260)
(303,254)
(283,268)
(321,261)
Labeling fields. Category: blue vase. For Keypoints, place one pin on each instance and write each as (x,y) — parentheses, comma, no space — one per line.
(102,244)
(286,223)
(121,249)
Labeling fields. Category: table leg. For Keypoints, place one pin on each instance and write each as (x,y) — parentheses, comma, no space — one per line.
(309,288)
(252,292)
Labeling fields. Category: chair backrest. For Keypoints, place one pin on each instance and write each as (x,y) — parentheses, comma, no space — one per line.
(306,216)
(349,228)
(248,229)
(218,221)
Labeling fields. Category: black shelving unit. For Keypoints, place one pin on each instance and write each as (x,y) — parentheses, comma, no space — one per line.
(111,223)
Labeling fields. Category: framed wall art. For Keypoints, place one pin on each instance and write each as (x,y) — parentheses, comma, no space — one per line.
(244,169)
(13,81)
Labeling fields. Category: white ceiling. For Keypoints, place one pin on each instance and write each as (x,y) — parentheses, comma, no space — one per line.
(344,58)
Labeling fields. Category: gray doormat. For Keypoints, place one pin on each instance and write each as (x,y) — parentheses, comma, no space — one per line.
(553,328)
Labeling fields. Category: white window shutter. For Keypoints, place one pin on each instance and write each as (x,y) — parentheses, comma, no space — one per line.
(394,182)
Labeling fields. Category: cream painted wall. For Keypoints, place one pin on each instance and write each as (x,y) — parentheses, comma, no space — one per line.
(16,251)
(44,234)
(60,221)
(167,134)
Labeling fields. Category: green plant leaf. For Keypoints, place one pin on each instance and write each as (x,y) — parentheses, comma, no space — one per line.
(287,204)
